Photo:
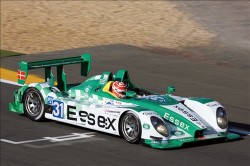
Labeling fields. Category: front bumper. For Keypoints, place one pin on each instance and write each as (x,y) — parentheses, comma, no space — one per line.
(176,143)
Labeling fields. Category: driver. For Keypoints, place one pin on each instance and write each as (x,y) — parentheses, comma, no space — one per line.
(119,89)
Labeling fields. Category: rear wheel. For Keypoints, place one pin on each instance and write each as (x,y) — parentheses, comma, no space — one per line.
(130,127)
(34,104)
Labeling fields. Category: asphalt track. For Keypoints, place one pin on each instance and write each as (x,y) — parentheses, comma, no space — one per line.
(228,85)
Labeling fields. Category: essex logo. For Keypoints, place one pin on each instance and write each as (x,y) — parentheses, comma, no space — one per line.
(176,121)
(91,119)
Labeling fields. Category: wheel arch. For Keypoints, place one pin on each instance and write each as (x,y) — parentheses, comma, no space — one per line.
(24,91)
(123,113)
(43,88)
(120,123)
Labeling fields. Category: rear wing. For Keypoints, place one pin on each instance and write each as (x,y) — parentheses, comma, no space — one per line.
(84,60)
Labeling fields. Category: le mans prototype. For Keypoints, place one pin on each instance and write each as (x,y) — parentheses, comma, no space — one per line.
(156,120)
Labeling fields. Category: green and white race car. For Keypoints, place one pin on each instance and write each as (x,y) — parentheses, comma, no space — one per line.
(156,120)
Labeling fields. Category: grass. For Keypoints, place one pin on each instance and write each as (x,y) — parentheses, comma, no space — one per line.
(5,53)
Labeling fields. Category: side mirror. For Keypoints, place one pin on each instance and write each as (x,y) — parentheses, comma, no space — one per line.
(130,94)
(170,89)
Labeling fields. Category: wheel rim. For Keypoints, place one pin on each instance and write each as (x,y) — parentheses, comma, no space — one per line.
(130,127)
(33,103)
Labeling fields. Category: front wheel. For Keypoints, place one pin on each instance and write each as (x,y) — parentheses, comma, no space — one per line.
(34,104)
(130,127)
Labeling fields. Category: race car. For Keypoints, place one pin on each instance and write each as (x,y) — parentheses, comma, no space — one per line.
(156,120)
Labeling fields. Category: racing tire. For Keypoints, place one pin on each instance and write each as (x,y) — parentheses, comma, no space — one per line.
(130,127)
(34,106)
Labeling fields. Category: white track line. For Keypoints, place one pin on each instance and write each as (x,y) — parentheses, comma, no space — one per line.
(22,142)
(10,82)
(72,136)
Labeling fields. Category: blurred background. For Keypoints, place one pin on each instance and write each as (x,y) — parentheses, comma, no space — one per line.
(215,32)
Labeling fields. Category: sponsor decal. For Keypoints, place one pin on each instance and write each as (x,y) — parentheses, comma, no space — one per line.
(177,133)
(213,105)
(158,99)
(112,111)
(176,121)
(108,102)
(186,139)
(57,109)
(190,116)
(155,98)
(159,142)
(149,113)
(146,126)
(21,75)
(50,100)
(118,103)
(89,118)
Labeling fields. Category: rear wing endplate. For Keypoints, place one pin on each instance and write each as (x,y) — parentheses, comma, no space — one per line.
(84,60)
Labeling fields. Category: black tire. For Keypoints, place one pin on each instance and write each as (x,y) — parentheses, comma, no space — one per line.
(130,127)
(34,106)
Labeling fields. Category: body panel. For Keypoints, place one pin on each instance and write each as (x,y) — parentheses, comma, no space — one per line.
(92,105)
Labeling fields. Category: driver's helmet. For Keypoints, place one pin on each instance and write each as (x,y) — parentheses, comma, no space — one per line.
(119,89)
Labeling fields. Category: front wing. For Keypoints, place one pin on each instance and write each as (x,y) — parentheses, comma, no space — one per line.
(176,143)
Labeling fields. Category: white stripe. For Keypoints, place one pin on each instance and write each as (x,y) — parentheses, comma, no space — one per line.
(22,142)
(235,130)
(72,136)
(33,84)
(97,77)
(44,85)
(10,82)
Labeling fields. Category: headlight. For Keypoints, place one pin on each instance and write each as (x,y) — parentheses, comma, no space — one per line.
(221,116)
(159,126)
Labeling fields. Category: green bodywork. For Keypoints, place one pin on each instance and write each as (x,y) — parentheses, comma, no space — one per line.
(176,143)
(201,99)
(84,60)
(95,87)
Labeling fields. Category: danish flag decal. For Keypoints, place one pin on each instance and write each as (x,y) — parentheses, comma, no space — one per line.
(21,75)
